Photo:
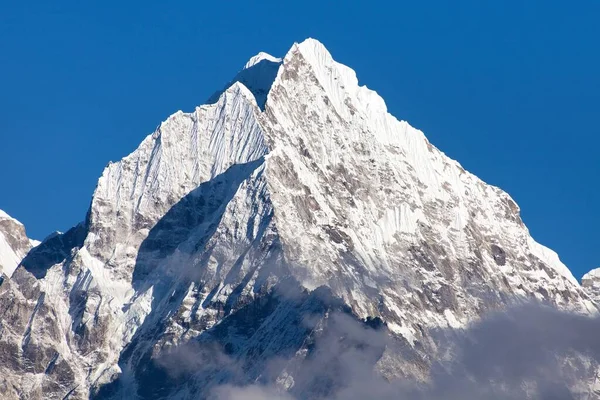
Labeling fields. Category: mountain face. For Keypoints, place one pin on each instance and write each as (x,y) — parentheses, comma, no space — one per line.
(591,282)
(239,242)
(14,244)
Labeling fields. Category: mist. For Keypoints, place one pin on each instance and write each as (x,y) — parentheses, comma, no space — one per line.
(528,351)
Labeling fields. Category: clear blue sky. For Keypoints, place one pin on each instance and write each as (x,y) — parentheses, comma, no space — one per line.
(509,88)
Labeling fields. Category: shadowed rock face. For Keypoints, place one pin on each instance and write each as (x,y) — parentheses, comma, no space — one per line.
(202,207)
(291,233)
(54,250)
(258,76)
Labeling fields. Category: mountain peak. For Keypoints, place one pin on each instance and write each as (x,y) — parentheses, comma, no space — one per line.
(257,76)
(338,80)
(237,227)
(260,57)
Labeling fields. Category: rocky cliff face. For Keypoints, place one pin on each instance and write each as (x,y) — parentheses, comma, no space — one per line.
(238,238)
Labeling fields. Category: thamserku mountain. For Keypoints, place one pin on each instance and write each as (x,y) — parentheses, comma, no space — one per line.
(289,239)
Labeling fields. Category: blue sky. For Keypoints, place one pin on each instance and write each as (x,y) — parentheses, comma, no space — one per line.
(509,88)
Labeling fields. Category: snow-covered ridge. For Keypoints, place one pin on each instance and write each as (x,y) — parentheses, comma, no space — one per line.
(337,79)
(593,274)
(5,216)
(260,57)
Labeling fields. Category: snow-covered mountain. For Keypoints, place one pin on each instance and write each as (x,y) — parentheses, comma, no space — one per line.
(237,238)
(14,243)
(591,282)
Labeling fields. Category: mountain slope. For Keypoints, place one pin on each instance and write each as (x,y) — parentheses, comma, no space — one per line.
(591,283)
(14,244)
(241,235)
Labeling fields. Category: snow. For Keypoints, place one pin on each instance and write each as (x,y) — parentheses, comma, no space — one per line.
(335,76)
(14,245)
(591,283)
(260,57)
(451,318)
(404,331)
(551,258)
(52,235)
(592,275)
(9,259)
(5,216)
(399,219)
